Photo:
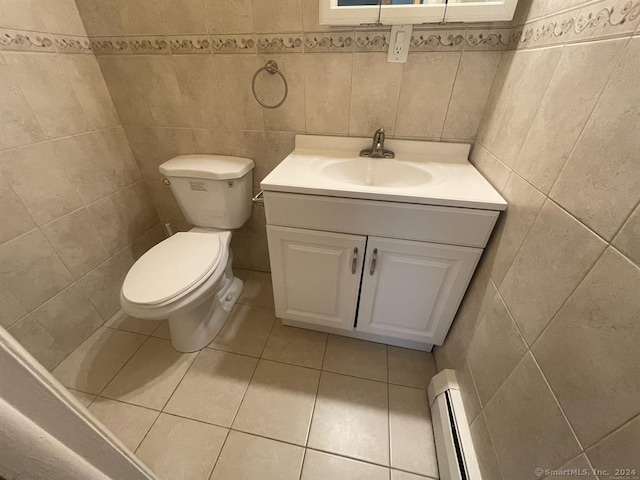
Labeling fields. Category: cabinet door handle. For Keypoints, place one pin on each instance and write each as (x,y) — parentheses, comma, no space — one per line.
(374,260)
(354,260)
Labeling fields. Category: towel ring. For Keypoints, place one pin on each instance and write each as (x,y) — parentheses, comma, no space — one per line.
(272,68)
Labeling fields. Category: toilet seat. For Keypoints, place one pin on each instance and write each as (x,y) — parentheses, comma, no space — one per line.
(173,268)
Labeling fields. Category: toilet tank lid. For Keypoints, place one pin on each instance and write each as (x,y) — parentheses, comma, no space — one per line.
(215,167)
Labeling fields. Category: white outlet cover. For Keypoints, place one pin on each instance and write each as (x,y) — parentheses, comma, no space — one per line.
(399,43)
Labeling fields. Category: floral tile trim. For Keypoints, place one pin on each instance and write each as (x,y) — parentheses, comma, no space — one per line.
(26,41)
(328,42)
(282,43)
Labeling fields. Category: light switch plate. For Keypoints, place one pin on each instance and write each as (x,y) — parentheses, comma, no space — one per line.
(399,43)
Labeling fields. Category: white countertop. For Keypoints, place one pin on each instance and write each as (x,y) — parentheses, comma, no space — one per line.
(455,182)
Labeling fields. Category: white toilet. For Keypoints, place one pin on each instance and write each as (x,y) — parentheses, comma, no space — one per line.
(187,278)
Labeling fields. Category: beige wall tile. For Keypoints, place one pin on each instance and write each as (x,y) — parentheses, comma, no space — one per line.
(49,91)
(19,124)
(281,16)
(61,16)
(213,388)
(246,332)
(410,368)
(486,454)
(31,271)
(151,375)
(555,256)
(355,357)
(573,92)
(291,115)
(22,14)
(84,398)
(496,172)
(627,239)
(250,145)
(182,18)
(180,448)
(127,422)
(575,469)
(515,100)
(513,225)
(470,398)
(327,78)
(587,347)
(296,346)
(427,83)
(473,83)
(91,90)
(400,475)
(603,194)
(351,418)
(279,146)
(495,349)
(77,242)
(410,430)
(200,94)
(141,17)
(55,329)
(100,17)
(90,367)
(39,180)
(279,402)
(147,241)
(525,401)
(618,450)
(162,91)
(224,17)
(322,466)
(11,310)
(153,146)
(241,110)
(374,94)
(249,457)
(122,74)
(102,285)
(15,218)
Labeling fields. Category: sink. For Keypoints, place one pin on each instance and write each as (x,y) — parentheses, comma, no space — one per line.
(375,172)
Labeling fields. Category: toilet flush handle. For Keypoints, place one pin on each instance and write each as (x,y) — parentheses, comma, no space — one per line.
(259,199)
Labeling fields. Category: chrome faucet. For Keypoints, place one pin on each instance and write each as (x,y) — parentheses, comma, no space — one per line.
(377,149)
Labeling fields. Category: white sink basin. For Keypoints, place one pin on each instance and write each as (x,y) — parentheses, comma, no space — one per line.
(375,172)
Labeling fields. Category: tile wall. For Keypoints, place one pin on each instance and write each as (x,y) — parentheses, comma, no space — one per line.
(545,343)
(75,211)
(180,79)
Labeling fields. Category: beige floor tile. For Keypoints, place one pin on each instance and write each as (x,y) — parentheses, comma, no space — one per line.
(162,331)
(96,361)
(279,402)
(247,457)
(356,357)
(84,398)
(324,466)
(151,376)
(410,368)
(295,345)
(258,290)
(351,418)
(122,321)
(246,332)
(181,449)
(127,422)
(399,475)
(412,443)
(213,388)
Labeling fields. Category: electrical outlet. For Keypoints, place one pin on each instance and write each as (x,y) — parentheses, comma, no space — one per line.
(399,43)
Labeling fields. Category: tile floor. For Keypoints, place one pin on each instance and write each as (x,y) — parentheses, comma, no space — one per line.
(263,401)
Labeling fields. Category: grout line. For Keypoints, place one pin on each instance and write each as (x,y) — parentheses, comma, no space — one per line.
(493,445)
(453,87)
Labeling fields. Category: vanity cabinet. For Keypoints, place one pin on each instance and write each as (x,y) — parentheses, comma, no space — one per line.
(356,282)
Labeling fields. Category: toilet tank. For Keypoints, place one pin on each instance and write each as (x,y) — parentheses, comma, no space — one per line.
(213,191)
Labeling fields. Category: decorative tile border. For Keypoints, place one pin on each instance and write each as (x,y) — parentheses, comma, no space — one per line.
(233,43)
(73,44)
(280,43)
(488,40)
(191,44)
(328,42)
(433,41)
(372,41)
(26,41)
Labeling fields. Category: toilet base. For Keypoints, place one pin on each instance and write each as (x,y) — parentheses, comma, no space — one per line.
(195,329)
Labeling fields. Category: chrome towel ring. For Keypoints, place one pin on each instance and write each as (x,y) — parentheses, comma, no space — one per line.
(272,68)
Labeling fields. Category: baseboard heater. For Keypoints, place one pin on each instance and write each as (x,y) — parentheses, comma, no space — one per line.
(456,456)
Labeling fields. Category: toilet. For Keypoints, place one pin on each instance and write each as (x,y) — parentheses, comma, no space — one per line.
(187,278)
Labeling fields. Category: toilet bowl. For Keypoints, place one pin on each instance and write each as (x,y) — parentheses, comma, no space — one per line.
(187,278)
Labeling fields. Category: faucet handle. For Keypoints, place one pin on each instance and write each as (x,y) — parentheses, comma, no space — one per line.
(379,136)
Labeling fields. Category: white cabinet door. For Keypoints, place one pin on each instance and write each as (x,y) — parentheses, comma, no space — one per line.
(316,275)
(412,290)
